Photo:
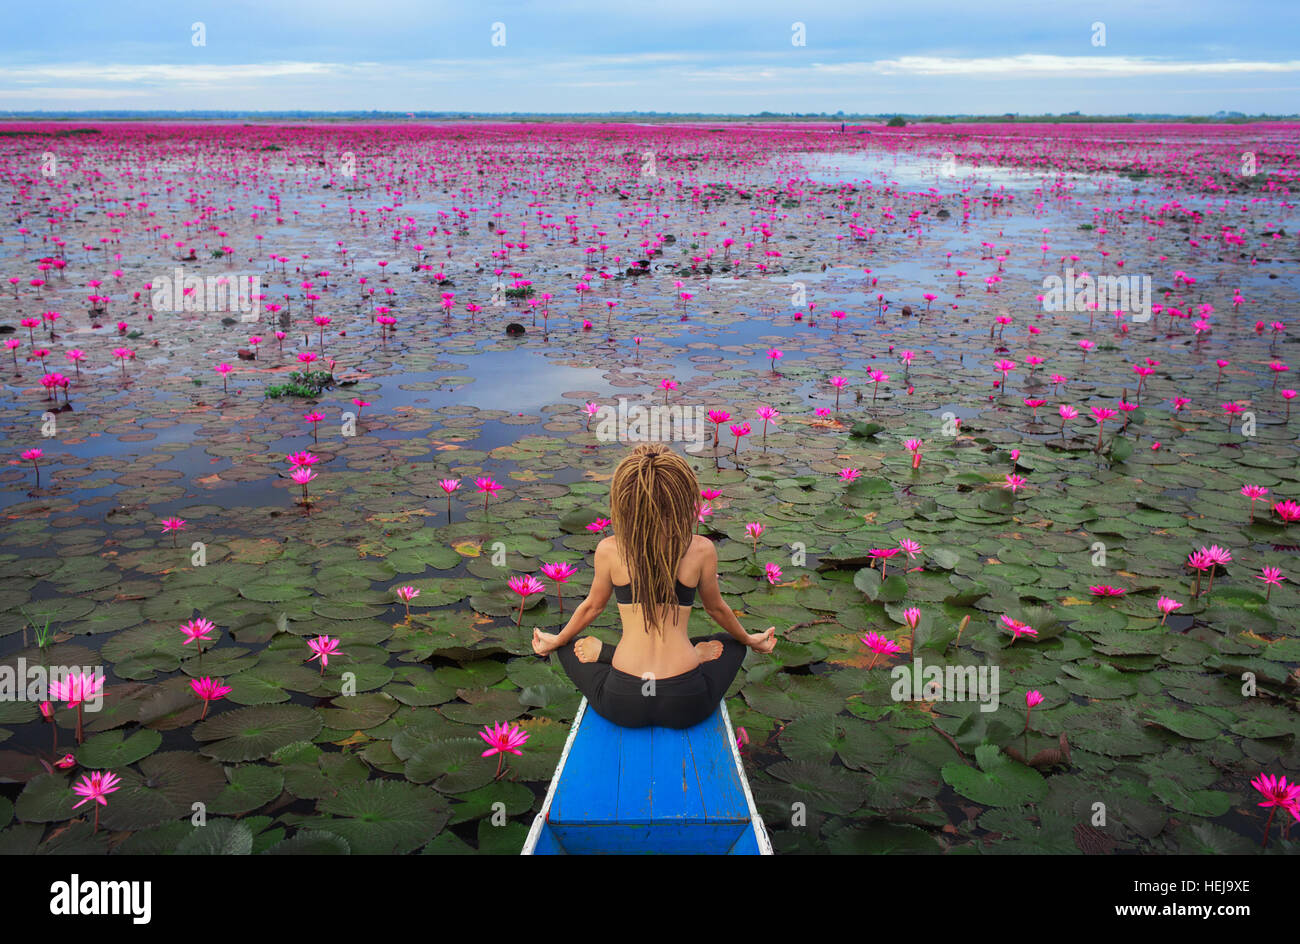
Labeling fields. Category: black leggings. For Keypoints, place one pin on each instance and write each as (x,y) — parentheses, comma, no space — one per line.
(632,702)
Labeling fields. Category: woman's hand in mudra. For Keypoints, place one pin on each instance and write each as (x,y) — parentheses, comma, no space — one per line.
(763,642)
(544,643)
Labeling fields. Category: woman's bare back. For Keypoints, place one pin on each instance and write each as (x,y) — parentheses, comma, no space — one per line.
(668,652)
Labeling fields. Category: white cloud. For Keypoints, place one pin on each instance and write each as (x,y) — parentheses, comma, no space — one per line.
(170,74)
(89,75)
(1049,65)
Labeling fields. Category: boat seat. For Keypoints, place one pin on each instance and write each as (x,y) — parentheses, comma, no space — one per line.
(650,790)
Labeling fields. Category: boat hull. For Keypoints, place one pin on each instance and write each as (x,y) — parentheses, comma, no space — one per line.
(648,791)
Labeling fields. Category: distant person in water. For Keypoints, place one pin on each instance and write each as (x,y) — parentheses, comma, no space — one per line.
(654,562)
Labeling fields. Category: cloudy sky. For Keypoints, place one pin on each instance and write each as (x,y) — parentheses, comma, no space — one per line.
(923,56)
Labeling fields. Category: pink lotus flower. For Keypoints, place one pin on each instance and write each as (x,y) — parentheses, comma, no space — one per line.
(884,555)
(910,548)
(1004,367)
(323,647)
(559,572)
(1200,560)
(1101,415)
(717,418)
(1017,628)
(302,475)
(1254,493)
(1288,511)
(738,430)
(880,646)
(525,586)
(1167,605)
(848,475)
(1272,576)
(95,787)
(174,525)
(76,688)
(313,418)
(31,455)
(600,524)
(448,486)
(209,690)
(1014,482)
(406,595)
(1212,556)
(1277,793)
(196,631)
(914,447)
(503,739)
(1106,590)
(1032,700)
(838,383)
(488,487)
(877,378)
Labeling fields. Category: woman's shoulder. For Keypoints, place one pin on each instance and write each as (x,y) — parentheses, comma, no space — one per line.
(701,548)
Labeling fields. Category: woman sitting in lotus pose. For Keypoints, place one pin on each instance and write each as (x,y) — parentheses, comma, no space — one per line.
(654,562)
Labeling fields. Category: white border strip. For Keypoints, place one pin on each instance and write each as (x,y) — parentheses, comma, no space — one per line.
(760,830)
(539,821)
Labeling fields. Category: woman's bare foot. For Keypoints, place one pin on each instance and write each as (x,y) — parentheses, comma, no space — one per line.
(587,649)
(709,650)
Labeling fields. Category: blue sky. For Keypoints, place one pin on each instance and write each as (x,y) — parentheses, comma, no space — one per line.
(1184,57)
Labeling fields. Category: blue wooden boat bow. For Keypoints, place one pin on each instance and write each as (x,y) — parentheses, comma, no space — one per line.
(650,790)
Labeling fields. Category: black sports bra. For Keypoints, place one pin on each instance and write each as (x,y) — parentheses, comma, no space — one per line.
(685,594)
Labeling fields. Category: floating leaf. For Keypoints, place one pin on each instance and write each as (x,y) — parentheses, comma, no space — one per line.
(257,732)
(998,781)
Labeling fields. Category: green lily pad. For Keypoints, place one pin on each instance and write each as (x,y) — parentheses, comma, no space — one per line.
(256,732)
(998,781)
(382,817)
(113,749)
(218,837)
(250,786)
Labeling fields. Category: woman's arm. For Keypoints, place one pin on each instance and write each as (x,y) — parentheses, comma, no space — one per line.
(723,615)
(602,587)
